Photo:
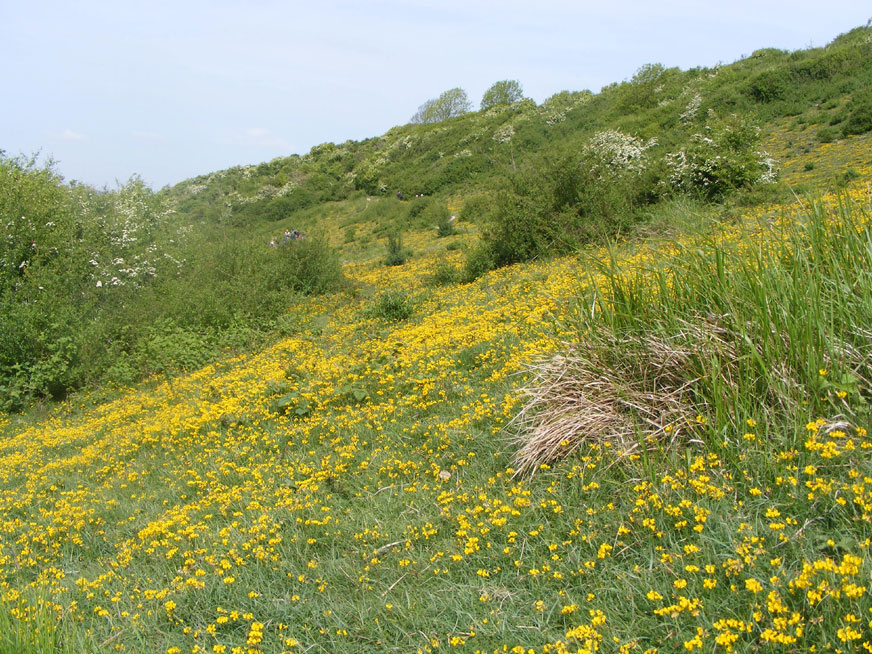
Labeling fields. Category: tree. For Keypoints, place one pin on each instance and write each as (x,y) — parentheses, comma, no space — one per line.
(641,91)
(454,102)
(506,91)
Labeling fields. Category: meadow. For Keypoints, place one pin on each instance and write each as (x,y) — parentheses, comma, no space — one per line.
(605,388)
(361,485)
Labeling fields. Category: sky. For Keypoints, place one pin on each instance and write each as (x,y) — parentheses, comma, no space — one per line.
(169,90)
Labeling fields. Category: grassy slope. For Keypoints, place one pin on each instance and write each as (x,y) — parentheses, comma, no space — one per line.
(350,489)
(472,152)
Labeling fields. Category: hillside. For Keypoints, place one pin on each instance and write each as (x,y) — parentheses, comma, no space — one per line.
(649,438)
(103,287)
(820,91)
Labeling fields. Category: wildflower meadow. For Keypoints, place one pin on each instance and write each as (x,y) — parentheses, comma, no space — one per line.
(358,486)
(492,421)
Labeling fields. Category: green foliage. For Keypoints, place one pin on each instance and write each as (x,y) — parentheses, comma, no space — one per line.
(722,157)
(859,118)
(827,134)
(113,285)
(745,326)
(389,214)
(439,216)
(452,103)
(310,266)
(768,86)
(578,197)
(644,89)
(476,208)
(417,207)
(503,92)
(34,628)
(444,274)
(391,306)
(396,253)
(481,259)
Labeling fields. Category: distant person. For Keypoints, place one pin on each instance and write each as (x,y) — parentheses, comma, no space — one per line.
(286,237)
(399,195)
(272,242)
(295,235)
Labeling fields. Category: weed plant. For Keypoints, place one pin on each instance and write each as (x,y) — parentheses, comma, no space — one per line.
(721,328)
(396,253)
(391,306)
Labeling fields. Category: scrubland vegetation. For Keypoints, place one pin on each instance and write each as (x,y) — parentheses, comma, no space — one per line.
(599,383)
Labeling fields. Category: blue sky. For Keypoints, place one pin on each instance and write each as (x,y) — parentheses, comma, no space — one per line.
(172,89)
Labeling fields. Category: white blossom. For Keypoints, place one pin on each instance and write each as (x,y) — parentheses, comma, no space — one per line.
(504,134)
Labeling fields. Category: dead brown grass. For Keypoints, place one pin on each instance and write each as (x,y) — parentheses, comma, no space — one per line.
(628,391)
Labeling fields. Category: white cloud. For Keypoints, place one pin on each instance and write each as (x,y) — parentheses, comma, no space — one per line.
(70,135)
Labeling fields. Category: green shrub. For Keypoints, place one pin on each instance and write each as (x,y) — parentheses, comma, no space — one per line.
(768,86)
(396,253)
(446,227)
(724,156)
(439,216)
(311,266)
(97,286)
(847,177)
(578,197)
(827,134)
(387,213)
(480,260)
(445,273)
(391,306)
(418,206)
(476,208)
(859,118)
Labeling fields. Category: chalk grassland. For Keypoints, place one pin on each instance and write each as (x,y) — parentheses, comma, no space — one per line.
(352,488)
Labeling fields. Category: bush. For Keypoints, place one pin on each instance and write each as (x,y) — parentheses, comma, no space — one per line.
(387,213)
(446,227)
(445,273)
(438,216)
(97,286)
(768,86)
(480,260)
(396,253)
(418,206)
(476,208)
(859,120)
(391,306)
(311,266)
(827,134)
(721,158)
(573,199)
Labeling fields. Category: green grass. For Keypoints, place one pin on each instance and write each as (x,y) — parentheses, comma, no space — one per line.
(693,469)
(386,515)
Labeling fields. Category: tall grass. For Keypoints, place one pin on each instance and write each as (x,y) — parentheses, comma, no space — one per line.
(720,327)
(33,629)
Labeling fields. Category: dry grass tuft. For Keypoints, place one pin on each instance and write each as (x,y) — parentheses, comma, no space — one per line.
(624,391)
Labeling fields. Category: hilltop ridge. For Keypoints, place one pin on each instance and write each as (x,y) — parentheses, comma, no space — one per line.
(826,86)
